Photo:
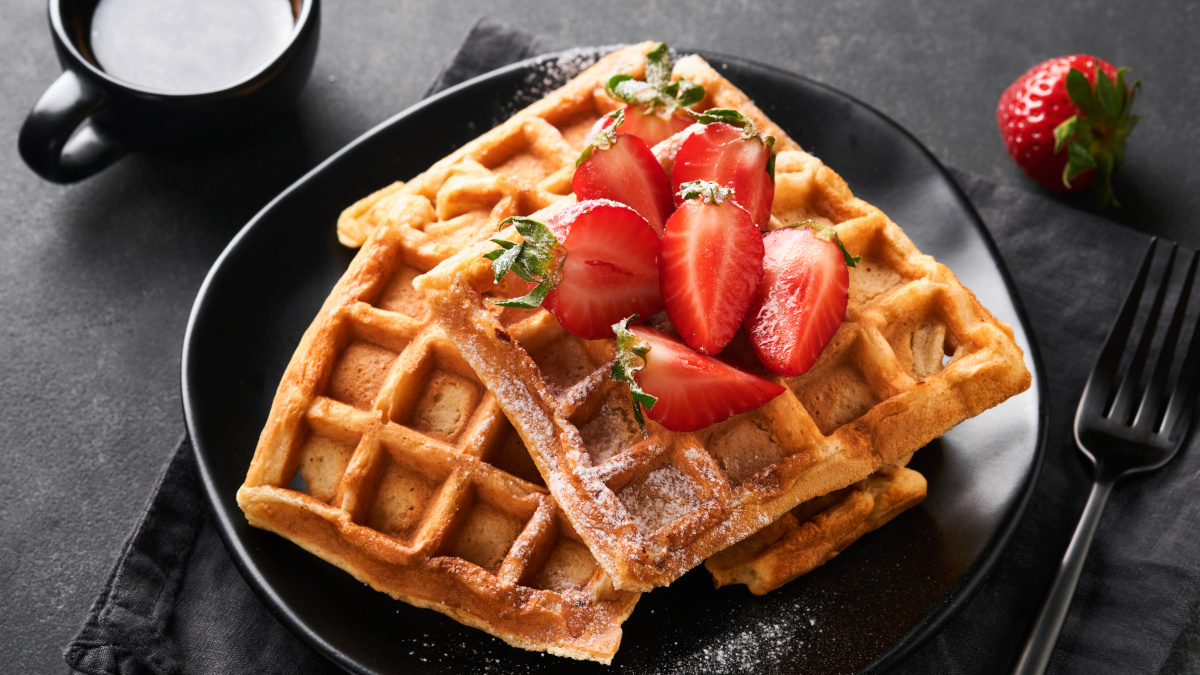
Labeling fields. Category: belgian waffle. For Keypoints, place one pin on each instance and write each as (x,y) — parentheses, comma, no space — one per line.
(814,532)
(916,355)
(386,452)
(385,455)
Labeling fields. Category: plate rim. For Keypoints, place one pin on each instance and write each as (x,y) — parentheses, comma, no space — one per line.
(957,597)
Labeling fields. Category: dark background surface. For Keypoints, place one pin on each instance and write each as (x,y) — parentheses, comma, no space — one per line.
(97,278)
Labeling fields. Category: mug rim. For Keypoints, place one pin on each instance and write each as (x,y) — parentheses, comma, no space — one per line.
(68,43)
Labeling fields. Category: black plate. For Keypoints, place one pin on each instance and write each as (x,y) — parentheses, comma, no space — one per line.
(866,608)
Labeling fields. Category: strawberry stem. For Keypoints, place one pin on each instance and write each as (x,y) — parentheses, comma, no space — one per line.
(1095,139)
(828,234)
(537,259)
(631,353)
(735,118)
(706,191)
(605,138)
(657,94)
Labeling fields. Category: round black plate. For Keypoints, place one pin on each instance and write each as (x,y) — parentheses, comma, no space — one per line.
(866,608)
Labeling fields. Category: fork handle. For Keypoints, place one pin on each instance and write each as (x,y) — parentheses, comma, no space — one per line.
(1040,645)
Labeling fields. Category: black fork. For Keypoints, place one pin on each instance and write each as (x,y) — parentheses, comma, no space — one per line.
(1125,428)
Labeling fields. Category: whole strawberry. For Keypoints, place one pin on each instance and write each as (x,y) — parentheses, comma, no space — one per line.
(1065,123)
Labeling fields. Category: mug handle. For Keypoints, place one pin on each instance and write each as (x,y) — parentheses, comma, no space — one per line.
(60,140)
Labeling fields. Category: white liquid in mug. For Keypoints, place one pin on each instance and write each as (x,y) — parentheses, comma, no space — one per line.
(187,45)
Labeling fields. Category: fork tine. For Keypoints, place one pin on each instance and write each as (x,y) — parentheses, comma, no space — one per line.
(1179,409)
(1149,410)
(1122,405)
(1100,380)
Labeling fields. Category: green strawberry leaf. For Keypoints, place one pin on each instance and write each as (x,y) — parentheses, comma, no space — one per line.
(1080,92)
(1065,132)
(1079,159)
(658,66)
(633,92)
(631,353)
(686,93)
(729,116)
(604,139)
(826,233)
(1106,94)
(1095,139)
(538,259)
(657,94)
(770,141)
(706,191)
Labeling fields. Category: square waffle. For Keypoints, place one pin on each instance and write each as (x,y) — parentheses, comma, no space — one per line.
(383,452)
(916,355)
(386,453)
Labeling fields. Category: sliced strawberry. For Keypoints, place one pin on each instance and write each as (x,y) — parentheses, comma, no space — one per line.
(590,265)
(653,127)
(802,298)
(680,389)
(730,152)
(710,267)
(622,168)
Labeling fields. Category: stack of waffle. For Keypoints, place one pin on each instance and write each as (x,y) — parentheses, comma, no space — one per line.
(479,461)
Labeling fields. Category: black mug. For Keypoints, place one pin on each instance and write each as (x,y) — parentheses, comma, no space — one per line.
(87,119)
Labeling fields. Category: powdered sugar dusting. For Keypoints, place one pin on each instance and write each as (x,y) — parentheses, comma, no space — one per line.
(662,498)
(550,74)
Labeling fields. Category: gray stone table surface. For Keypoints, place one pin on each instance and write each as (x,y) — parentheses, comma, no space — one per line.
(97,278)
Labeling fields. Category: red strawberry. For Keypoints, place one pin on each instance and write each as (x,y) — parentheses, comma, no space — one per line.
(710,266)
(591,264)
(680,389)
(651,127)
(656,105)
(802,298)
(1065,123)
(622,168)
(730,152)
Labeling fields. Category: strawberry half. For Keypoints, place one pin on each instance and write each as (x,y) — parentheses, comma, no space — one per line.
(680,389)
(802,299)
(656,109)
(710,266)
(653,127)
(591,264)
(622,168)
(732,153)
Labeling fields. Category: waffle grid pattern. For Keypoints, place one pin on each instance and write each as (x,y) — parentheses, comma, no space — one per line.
(385,455)
(816,531)
(915,356)
(396,444)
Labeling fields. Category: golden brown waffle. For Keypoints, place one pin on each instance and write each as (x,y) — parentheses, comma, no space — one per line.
(412,479)
(814,532)
(916,355)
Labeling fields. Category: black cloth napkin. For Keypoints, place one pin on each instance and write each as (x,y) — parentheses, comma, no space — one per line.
(174,601)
